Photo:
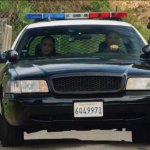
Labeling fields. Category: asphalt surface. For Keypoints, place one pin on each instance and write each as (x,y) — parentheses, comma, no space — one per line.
(77,140)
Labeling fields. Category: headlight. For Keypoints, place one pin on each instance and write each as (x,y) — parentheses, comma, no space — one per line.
(138,84)
(27,86)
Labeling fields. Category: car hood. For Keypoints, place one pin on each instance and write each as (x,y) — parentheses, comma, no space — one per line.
(47,67)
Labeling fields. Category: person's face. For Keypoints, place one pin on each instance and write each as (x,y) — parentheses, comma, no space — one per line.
(47,47)
(112,39)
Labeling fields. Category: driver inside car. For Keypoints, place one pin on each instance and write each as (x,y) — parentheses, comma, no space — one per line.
(46,47)
(111,43)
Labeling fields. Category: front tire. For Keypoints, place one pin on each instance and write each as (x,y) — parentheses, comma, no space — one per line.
(139,135)
(10,135)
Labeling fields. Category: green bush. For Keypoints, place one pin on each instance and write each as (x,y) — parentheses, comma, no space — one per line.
(17,9)
(15,12)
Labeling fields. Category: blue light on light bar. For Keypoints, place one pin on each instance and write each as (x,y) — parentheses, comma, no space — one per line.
(44,16)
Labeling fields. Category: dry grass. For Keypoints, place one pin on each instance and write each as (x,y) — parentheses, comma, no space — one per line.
(140,9)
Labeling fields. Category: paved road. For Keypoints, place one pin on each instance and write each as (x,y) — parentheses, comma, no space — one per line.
(76,140)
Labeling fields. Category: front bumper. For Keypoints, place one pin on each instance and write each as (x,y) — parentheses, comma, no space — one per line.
(57,114)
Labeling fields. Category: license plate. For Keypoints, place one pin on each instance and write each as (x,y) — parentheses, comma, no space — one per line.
(88,109)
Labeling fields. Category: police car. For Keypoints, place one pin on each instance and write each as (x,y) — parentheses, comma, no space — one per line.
(75,71)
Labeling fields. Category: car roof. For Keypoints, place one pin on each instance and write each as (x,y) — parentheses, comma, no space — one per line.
(77,22)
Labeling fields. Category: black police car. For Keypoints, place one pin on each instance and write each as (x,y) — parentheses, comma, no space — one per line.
(75,74)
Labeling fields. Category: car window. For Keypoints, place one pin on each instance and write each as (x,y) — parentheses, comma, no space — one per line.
(81,41)
(66,44)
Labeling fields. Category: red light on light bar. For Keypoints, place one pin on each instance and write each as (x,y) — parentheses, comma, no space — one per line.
(93,15)
(107,15)
(104,15)
(101,15)
(119,14)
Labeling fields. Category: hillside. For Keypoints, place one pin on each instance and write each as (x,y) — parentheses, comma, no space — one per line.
(138,11)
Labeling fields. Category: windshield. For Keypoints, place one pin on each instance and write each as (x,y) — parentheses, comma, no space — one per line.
(80,41)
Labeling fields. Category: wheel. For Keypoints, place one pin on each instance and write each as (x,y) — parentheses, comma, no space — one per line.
(139,135)
(0,126)
(148,134)
(10,135)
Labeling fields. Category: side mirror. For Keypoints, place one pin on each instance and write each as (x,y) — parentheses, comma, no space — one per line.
(148,41)
(3,56)
(146,50)
(10,55)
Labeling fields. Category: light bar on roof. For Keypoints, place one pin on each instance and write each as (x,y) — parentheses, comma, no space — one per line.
(61,16)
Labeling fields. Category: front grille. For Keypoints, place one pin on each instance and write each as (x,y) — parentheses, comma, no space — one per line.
(86,84)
